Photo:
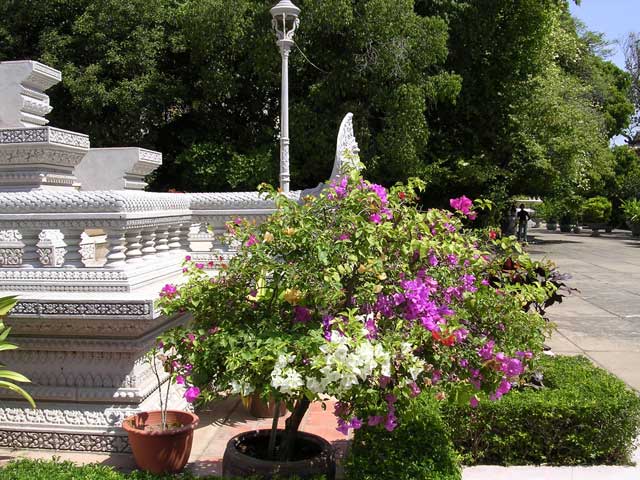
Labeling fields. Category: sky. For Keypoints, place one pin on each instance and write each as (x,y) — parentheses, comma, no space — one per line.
(614,18)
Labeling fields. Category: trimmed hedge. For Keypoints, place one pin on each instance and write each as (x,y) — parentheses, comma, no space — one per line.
(53,470)
(583,416)
(418,449)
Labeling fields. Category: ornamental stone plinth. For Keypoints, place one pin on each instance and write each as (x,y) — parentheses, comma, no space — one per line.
(117,168)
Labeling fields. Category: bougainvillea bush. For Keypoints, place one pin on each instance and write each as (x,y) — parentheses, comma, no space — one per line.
(356,295)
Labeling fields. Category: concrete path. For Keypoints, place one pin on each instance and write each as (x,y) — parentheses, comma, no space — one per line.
(602,321)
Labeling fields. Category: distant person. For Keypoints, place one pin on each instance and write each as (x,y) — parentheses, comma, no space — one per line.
(511,220)
(523,221)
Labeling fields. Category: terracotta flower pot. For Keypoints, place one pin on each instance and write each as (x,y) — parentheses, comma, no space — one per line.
(161,451)
(261,409)
(315,457)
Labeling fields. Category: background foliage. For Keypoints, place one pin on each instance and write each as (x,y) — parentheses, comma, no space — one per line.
(475,96)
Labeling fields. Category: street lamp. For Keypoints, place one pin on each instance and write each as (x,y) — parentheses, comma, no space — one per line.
(285,22)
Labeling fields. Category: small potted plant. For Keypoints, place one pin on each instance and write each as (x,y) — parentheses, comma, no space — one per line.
(631,209)
(596,212)
(161,440)
(354,295)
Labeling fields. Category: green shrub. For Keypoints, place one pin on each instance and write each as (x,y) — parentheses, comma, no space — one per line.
(631,210)
(418,449)
(596,210)
(582,416)
(54,470)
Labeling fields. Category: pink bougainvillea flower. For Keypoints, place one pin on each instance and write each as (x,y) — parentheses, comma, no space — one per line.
(187,258)
(169,291)
(180,380)
(192,394)
(251,241)
(199,266)
(462,204)
(473,401)
(375,218)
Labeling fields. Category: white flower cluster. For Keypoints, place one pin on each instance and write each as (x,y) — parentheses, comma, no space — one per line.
(286,378)
(345,365)
(242,388)
(411,364)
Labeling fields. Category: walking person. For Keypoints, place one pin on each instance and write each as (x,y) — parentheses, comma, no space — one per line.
(523,221)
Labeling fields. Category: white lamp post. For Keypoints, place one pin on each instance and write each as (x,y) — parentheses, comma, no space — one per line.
(285,22)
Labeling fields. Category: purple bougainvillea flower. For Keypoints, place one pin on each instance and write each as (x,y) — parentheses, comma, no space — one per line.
(180,380)
(356,423)
(375,420)
(473,401)
(375,218)
(187,258)
(199,266)
(192,394)
(301,314)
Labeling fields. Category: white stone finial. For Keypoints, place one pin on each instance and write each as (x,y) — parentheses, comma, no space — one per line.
(22,86)
(347,150)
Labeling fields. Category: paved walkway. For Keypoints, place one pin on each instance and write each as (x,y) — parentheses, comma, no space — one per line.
(601,322)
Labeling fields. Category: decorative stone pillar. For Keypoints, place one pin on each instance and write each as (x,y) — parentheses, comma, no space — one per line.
(51,248)
(11,248)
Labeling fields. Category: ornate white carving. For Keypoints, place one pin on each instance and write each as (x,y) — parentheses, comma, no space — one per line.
(51,248)
(347,150)
(11,248)
(69,309)
(19,439)
(44,135)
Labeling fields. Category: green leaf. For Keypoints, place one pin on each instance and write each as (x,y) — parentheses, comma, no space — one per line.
(20,391)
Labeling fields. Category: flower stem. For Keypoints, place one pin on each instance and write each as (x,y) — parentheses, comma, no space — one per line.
(274,432)
(291,429)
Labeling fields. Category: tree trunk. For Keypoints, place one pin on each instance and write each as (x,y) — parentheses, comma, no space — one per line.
(292,425)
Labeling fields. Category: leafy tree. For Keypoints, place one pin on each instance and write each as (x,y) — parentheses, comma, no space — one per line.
(199,80)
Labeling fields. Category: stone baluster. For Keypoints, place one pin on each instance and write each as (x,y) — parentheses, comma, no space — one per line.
(30,238)
(73,239)
(162,241)
(134,251)
(178,239)
(149,244)
(117,245)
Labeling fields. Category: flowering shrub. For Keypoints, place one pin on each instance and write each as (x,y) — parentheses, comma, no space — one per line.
(357,295)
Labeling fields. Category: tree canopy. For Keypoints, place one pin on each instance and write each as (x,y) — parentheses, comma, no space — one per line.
(483,97)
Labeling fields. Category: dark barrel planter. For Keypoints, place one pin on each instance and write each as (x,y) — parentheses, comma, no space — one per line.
(565,227)
(161,451)
(317,457)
